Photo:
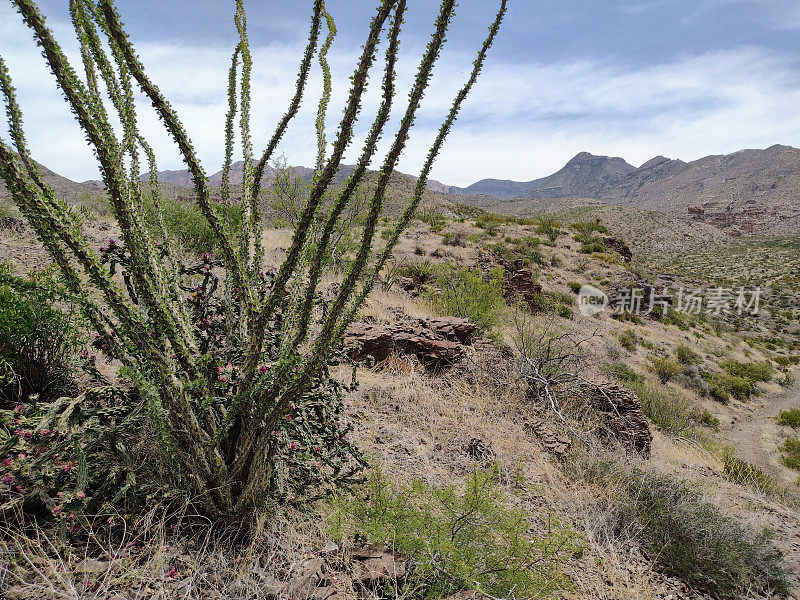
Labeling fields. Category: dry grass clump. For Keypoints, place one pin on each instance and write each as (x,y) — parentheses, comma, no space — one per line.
(162,554)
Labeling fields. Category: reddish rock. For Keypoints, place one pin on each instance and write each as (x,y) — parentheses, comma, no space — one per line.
(520,285)
(697,212)
(436,343)
(367,339)
(454,329)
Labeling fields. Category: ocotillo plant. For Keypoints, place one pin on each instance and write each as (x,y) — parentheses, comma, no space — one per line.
(243,414)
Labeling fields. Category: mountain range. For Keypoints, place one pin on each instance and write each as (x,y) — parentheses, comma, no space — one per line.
(749,191)
(743,192)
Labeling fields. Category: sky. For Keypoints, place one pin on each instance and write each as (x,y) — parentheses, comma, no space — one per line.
(629,78)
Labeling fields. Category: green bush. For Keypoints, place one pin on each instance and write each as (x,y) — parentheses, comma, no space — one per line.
(668,409)
(186,225)
(450,238)
(586,228)
(684,534)
(628,340)
(432,217)
(550,227)
(38,342)
(722,386)
(791,453)
(665,368)
(421,271)
(743,473)
(622,372)
(687,356)
(464,292)
(693,540)
(707,419)
(574,286)
(789,418)
(752,371)
(458,541)
(524,250)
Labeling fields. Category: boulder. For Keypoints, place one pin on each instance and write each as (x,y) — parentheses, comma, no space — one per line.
(454,329)
(308,579)
(367,339)
(436,343)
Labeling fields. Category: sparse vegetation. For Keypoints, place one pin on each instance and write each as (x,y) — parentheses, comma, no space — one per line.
(791,452)
(464,292)
(686,535)
(687,356)
(622,372)
(459,540)
(668,409)
(743,473)
(664,367)
(789,418)
(628,340)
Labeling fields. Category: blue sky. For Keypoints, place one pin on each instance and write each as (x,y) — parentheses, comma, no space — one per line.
(634,78)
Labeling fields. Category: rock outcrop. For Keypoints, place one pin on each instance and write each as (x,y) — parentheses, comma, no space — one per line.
(520,285)
(622,412)
(436,343)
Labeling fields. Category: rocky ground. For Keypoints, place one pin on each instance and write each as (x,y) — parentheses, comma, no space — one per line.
(438,398)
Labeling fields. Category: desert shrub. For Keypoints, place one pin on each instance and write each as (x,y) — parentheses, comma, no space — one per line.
(687,356)
(432,217)
(450,238)
(550,227)
(574,286)
(524,250)
(693,540)
(791,452)
(489,223)
(664,367)
(626,316)
(564,311)
(622,372)
(743,473)
(683,533)
(722,386)
(589,227)
(458,541)
(38,342)
(465,292)
(788,380)
(668,409)
(706,419)
(789,418)
(188,227)
(752,371)
(628,340)
(421,271)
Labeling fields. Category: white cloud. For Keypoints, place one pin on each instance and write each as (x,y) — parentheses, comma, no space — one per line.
(522,121)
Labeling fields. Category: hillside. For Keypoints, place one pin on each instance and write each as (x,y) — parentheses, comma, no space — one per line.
(432,431)
(750,191)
